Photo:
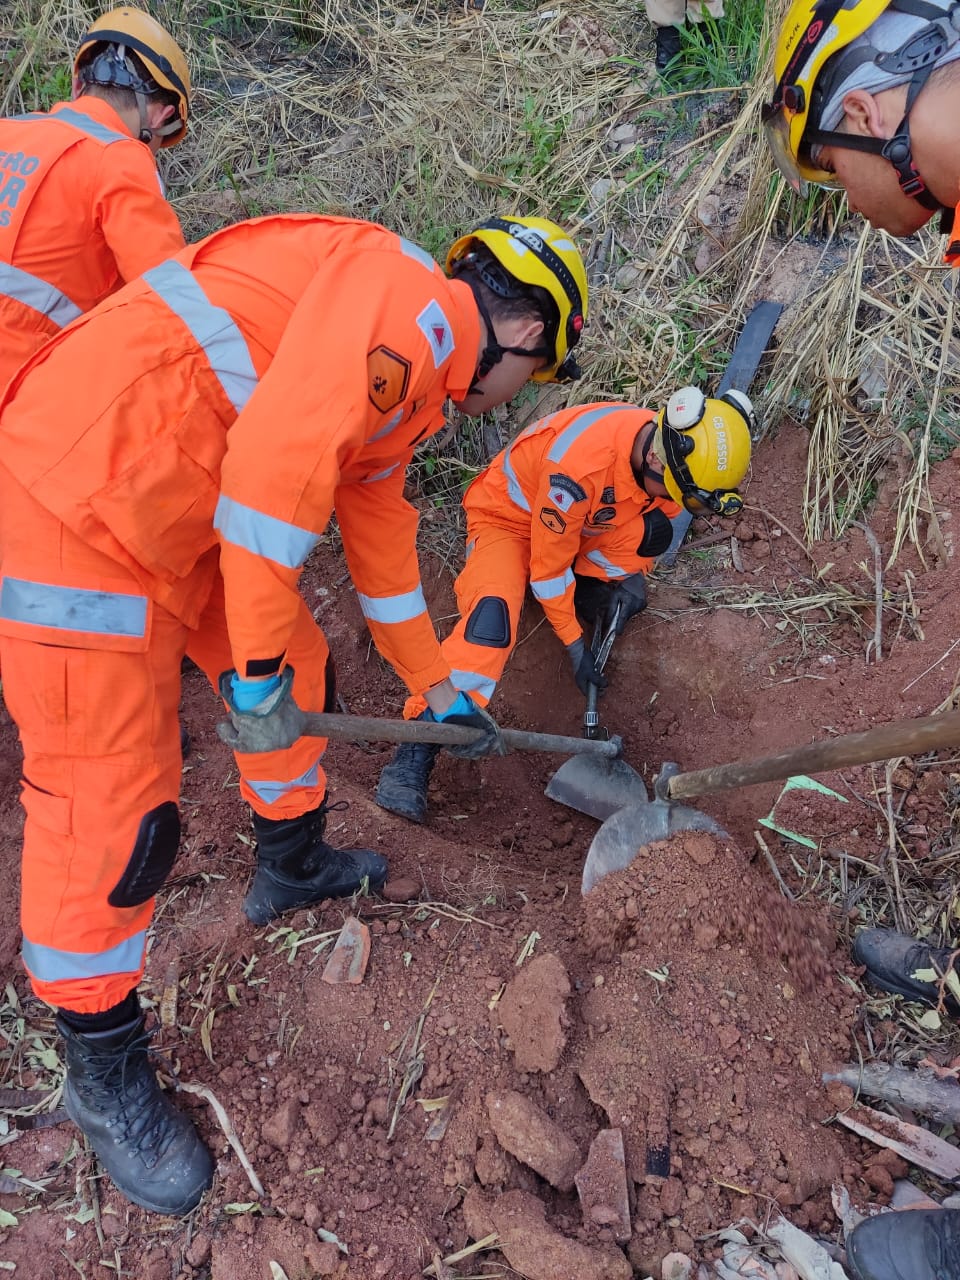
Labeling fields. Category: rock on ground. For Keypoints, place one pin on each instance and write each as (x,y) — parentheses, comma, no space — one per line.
(533,1013)
(535,1249)
(528,1133)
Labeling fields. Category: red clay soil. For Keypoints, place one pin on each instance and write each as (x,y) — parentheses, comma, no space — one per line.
(686,1004)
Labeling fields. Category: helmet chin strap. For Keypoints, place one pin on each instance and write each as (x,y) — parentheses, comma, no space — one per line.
(494,351)
(646,472)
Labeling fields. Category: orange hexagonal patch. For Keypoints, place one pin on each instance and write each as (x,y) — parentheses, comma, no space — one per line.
(389,376)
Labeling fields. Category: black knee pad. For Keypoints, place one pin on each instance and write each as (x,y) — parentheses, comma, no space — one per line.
(590,596)
(489,624)
(154,853)
(330,685)
(657,533)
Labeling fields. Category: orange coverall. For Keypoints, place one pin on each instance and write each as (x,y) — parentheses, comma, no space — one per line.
(561,498)
(82,211)
(210,417)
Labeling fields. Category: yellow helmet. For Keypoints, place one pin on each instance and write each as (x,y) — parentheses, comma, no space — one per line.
(535,251)
(704,446)
(132,30)
(806,69)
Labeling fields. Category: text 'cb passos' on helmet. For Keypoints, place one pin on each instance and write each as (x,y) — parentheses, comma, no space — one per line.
(811,34)
(131,31)
(537,252)
(704,445)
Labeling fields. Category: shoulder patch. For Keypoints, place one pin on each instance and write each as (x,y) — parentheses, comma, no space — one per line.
(553,520)
(608,496)
(603,515)
(564,492)
(388,378)
(435,327)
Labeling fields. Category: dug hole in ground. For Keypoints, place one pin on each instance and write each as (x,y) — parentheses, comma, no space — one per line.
(581,1086)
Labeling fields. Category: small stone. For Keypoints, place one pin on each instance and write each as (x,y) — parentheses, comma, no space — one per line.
(323,1257)
(624,133)
(282,1126)
(403,889)
(676,1266)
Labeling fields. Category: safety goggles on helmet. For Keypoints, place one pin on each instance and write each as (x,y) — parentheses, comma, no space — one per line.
(814,57)
(531,252)
(676,446)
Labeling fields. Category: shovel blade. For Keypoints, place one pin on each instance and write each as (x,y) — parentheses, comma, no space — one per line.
(626,832)
(596,785)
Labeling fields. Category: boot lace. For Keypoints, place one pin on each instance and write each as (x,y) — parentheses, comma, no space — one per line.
(122,1083)
(411,762)
(321,853)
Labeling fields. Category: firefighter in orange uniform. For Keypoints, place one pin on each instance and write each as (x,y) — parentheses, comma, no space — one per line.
(278,370)
(578,506)
(82,209)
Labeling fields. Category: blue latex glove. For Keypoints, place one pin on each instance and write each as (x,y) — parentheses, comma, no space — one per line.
(247,694)
(263,714)
(462,705)
(463,710)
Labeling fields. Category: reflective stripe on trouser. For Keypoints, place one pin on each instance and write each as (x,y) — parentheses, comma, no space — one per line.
(498,565)
(97,715)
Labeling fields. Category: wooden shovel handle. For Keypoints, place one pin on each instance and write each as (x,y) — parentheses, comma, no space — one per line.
(373,728)
(900,738)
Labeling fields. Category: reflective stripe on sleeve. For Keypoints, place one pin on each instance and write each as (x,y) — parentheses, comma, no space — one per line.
(570,434)
(271,792)
(77,120)
(609,568)
(550,588)
(49,964)
(388,426)
(263,535)
(402,608)
(213,328)
(473,682)
(513,484)
(41,604)
(381,475)
(414,251)
(36,293)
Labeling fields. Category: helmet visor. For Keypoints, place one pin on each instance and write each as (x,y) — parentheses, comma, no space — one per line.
(776,128)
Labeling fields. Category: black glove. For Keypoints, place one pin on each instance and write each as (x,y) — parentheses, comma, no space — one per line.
(590,596)
(463,710)
(584,668)
(631,595)
(270,725)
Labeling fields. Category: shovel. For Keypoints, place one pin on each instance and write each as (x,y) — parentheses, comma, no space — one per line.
(594,785)
(319,724)
(623,835)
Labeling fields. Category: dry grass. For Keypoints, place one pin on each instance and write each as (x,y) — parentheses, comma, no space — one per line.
(427,118)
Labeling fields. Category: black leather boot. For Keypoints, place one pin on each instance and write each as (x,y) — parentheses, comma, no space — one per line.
(151,1150)
(669,45)
(892,959)
(908,1244)
(402,788)
(296,867)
